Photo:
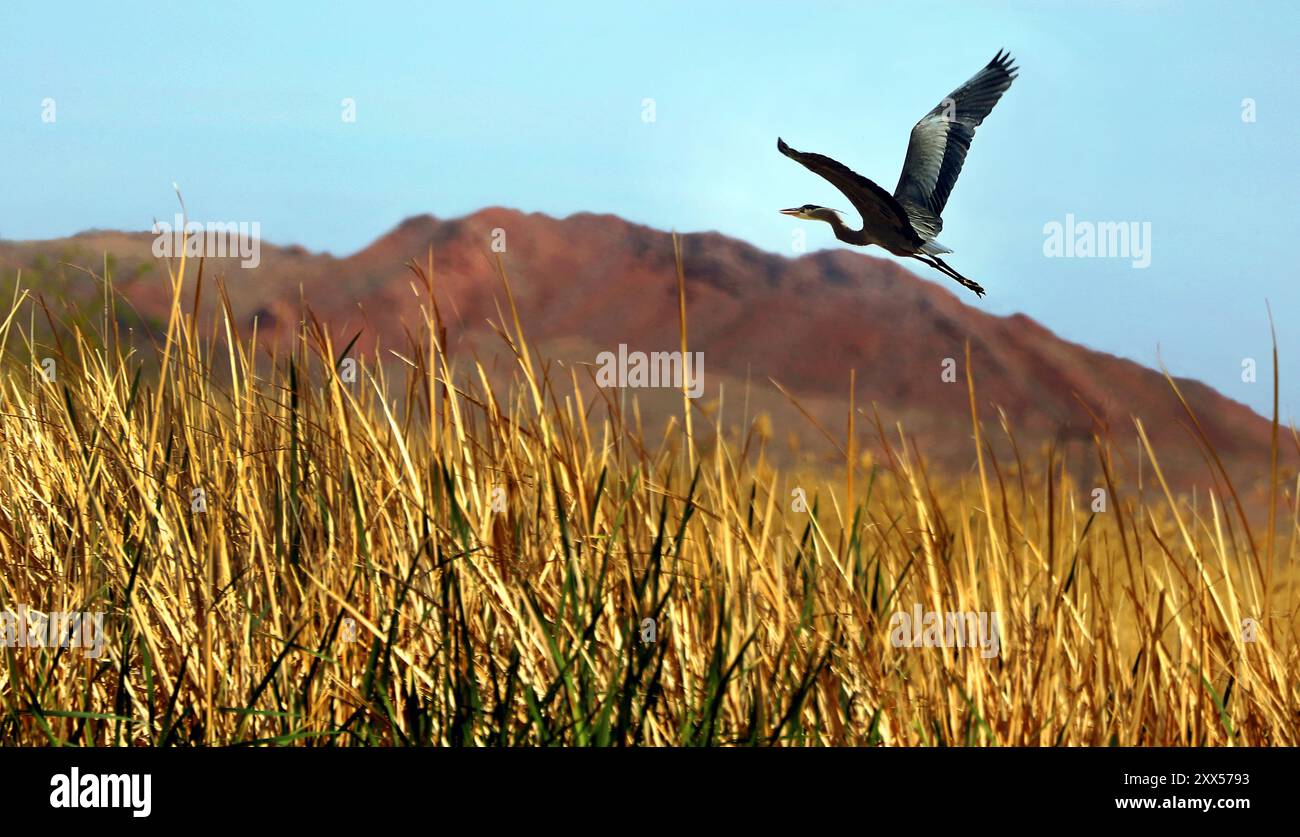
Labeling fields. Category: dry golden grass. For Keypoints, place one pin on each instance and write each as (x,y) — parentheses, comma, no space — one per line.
(328,501)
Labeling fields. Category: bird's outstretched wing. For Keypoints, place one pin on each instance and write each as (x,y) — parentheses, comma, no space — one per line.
(940,141)
(877,207)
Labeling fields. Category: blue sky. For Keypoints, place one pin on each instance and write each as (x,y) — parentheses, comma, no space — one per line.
(1124,111)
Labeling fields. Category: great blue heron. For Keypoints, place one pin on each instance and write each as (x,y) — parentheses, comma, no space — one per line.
(907,222)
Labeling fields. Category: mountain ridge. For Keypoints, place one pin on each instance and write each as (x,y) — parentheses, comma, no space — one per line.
(589,281)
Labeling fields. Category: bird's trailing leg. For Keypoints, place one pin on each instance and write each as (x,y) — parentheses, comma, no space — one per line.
(969,283)
(943,267)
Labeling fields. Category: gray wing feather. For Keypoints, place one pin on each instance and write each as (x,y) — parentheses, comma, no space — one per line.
(879,209)
(939,143)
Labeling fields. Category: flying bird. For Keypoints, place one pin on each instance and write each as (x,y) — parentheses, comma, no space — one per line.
(907,222)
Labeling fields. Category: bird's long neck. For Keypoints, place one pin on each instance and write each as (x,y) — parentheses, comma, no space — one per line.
(846,233)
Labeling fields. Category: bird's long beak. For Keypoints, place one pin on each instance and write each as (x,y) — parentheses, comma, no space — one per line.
(789,211)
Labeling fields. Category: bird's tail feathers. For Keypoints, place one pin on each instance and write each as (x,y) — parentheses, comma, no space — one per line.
(933,248)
